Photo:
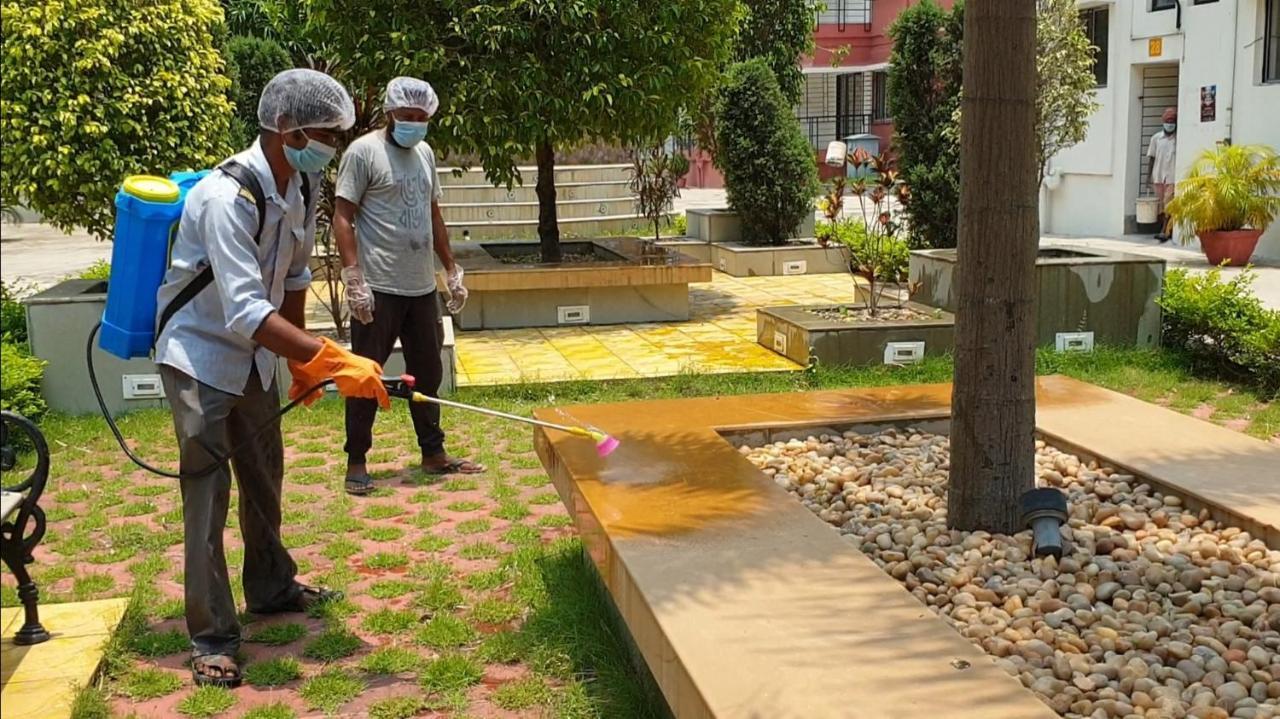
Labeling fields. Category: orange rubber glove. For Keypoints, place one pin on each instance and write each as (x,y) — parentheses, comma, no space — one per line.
(354,375)
(303,382)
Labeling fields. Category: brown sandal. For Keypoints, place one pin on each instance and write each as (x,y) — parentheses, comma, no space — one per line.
(219,670)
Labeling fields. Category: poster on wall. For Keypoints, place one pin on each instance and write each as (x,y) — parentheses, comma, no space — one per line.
(1208,103)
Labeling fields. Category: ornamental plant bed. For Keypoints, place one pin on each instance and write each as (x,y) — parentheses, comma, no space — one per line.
(843,334)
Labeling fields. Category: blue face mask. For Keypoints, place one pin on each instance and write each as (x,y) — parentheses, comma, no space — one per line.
(1170,126)
(312,158)
(408,134)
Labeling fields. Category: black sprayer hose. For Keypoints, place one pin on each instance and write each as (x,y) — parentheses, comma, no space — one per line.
(218,463)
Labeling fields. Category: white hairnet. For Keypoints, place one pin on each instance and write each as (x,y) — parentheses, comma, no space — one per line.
(301,98)
(410,92)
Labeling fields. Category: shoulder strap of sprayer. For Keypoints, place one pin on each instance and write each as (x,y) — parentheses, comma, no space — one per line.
(248,180)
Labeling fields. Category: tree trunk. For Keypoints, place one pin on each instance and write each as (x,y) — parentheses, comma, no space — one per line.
(993,399)
(548,228)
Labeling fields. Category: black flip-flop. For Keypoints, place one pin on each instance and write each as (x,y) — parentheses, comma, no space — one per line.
(230,671)
(359,485)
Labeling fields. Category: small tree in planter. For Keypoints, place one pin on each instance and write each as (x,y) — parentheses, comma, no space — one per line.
(655,181)
(1228,198)
(878,252)
(769,172)
(832,205)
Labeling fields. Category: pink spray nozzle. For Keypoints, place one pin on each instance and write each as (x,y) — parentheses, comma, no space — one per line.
(408,380)
(606,446)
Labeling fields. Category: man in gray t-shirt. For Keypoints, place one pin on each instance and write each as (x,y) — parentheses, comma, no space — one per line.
(389,229)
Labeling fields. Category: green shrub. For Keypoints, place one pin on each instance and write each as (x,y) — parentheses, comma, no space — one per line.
(99,270)
(769,172)
(20,376)
(894,255)
(256,61)
(13,316)
(924,101)
(1223,326)
(96,90)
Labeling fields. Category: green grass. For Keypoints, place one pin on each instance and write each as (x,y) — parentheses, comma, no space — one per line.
(438,594)
(402,707)
(501,491)
(137,509)
(160,644)
(468,506)
(501,648)
(545,498)
(521,535)
(278,635)
(330,689)
(275,710)
(145,683)
(391,660)
(382,534)
(390,588)
(451,672)
(511,510)
(91,703)
(487,580)
(425,519)
(337,522)
(494,611)
(473,526)
(432,543)
(389,621)
(431,569)
(480,550)
(459,484)
(207,702)
(383,511)
(553,521)
(332,644)
(333,610)
(308,462)
(340,548)
(386,560)
(423,496)
(272,672)
(523,694)
(445,631)
(146,568)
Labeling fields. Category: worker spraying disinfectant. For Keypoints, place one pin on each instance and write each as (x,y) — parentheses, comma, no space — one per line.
(239,239)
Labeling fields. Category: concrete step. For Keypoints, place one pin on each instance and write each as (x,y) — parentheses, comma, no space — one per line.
(528,211)
(469,194)
(566,173)
(573,227)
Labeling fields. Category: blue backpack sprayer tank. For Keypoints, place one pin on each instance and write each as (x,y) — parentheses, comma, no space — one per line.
(148,210)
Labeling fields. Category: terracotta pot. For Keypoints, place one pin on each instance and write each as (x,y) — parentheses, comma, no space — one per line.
(1234,247)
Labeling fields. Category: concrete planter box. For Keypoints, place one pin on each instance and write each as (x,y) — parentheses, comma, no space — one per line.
(629,282)
(800,257)
(58,324)
(699,250)
(724,225)
(1111,294)
(799,335)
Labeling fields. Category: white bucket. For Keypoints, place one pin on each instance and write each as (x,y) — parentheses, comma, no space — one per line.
(836,151)
(1146,210)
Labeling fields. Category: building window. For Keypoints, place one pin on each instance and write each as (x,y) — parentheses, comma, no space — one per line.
(1271,42)
(880,95)
(1162,4)
(1095,21)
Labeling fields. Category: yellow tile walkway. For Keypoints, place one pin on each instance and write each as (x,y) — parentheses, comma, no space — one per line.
(720,337)
(41,681)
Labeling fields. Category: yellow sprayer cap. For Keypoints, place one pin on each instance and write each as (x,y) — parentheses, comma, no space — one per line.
(151,188)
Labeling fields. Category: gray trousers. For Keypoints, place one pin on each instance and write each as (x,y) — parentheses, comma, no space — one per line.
(209,423)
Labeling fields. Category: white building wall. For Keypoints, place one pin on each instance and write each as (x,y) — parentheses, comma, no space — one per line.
(1219,44)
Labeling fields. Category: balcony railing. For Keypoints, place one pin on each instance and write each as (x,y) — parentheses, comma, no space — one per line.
(843,13)
(822,129)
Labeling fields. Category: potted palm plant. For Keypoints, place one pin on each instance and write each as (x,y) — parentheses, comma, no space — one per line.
(1228,198)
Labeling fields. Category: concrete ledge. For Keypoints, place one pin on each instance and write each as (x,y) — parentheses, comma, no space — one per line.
(798,335)
(745,604)
(800,257)
(725,225)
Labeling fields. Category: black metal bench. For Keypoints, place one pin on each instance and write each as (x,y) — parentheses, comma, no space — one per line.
(20,511)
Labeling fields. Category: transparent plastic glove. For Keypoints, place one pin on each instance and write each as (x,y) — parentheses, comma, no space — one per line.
(457,293)
(359,296)
(354,375)
(302,381)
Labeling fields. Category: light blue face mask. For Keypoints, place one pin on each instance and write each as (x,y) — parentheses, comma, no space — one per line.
(408,134)
(314,157)
(1170,126)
